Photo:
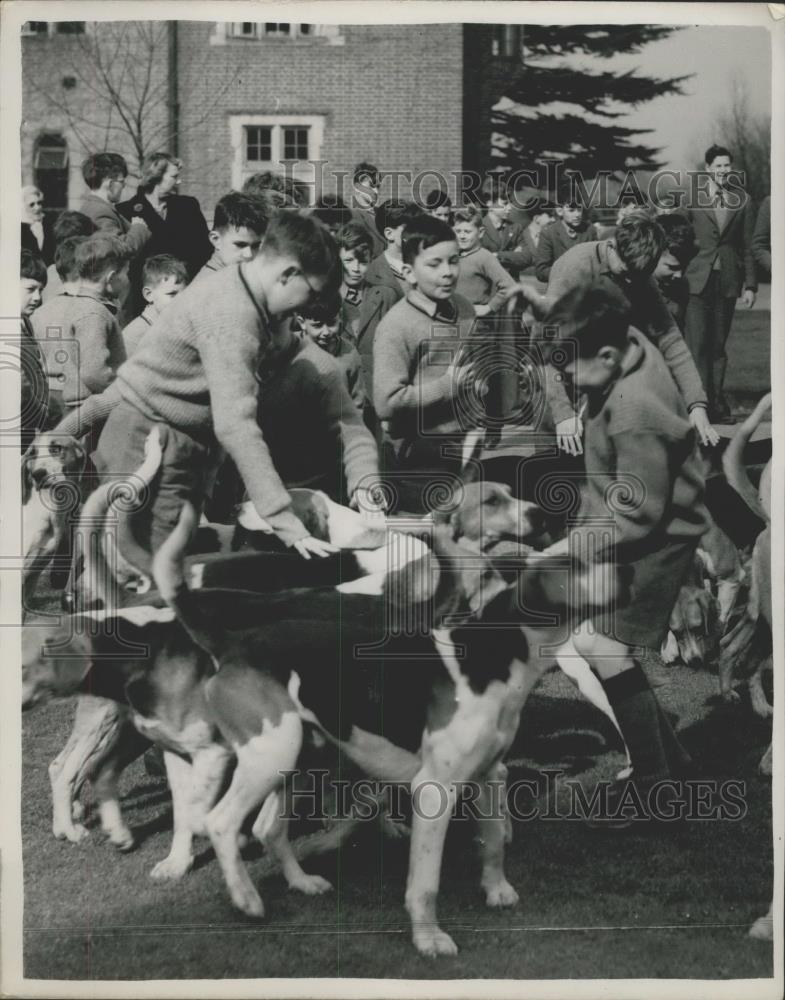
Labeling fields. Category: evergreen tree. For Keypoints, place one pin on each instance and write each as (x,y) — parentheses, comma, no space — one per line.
(589,138)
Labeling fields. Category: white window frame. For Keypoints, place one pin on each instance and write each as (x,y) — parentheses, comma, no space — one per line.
(224,33)
(302,172)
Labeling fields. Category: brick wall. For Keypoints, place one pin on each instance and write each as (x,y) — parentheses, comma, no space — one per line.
(389,94)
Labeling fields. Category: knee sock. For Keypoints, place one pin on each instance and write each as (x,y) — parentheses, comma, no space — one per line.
(638,714)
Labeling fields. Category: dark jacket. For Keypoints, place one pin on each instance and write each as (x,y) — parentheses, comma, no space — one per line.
(732,244)
(183,233)
(761,238)
(554,242)
(29,242)
(376,303)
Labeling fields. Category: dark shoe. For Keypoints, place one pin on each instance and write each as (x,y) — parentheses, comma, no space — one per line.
(639,806)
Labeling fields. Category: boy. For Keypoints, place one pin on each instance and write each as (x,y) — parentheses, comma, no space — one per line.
(366,182)
(325,325)
(35,405)
(501,235)
(313,428)
(68,225)
(439,204)
(627,260)
(364,305)
(195,377)
(239,223)
(86,317)
(163,277)
(387,269)
(421,365)
(481,278)
(678,251)
(571,227)
(542,217)
(638,438)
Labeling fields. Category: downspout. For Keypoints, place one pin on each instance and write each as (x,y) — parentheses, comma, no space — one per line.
(172,87)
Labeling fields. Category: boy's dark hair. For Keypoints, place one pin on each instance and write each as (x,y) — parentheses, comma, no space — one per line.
(64,257)
(586,318)
(366,170)
(70,223)
(422,234)
(304,239)
(714,151)
(569,193)
(271,180)
(97,254)
(396,212)
(32,267)
(471,213)
(679,237)
(332,210)
(639,241)
(163,265)
(437,198)
(240,211)
(354,236)
(99,166)
(325,309)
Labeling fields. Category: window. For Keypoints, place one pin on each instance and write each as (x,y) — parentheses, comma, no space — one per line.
(328,34)
(35,28)
(50,170)
(69,27)
(277,142)
(279,29)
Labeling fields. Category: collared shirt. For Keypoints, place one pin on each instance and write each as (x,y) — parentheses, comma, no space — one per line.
(81,292)
(444,312)
(37,229)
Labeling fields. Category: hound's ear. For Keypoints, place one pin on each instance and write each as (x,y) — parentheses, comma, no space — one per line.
(27,478)
(80,454)
(481,584)
(470,456)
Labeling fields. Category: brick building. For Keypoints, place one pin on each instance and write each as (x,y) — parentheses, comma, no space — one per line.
(234,98)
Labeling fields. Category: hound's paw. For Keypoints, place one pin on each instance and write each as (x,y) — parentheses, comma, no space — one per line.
(248,901)
(172,868)
(311,885)
(501,894)
(77,811)
(76,833)
(122,839)
(434,942)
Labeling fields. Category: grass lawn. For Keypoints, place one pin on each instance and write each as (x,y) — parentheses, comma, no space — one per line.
(592,905)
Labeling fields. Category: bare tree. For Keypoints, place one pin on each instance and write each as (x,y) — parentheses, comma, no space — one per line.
(112,88)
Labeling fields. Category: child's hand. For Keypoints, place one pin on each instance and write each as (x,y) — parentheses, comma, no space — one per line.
(699,419)
(314,546)
(748,298)
(568,435)
(482,310)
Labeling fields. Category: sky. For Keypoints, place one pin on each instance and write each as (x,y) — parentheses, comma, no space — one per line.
(715,55)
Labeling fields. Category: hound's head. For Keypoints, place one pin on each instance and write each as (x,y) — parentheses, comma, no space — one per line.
(51,459)
(55,661)
(489,513)
(694,627)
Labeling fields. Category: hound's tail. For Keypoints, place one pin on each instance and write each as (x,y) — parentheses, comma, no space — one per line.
(733,462)
(105,566)
(169,576)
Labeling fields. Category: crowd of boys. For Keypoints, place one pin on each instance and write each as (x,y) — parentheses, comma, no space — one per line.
(338,346)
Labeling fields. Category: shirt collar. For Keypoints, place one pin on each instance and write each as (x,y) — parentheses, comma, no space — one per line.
(465,253)
(87,293)
(602,250)
(148,313)
(436,310)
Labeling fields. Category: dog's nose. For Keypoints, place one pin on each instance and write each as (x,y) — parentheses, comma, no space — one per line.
(695,662)
(38,475)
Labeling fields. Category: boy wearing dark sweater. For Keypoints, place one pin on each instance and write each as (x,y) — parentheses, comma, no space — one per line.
(387,269)
(425,385)
(570,228)
(87,318)
(36,405)
(239,223)
(195,377)
(643,471)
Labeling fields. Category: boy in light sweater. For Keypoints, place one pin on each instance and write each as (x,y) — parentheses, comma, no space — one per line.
(481,278)
(77,330)
(638,439)
(425,386)
(195,377)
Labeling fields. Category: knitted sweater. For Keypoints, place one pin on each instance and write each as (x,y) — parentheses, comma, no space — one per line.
(587,264)
(555,241)
(137,328)
(639,438)
(80,342)
(380,272)
(197,372)
(482,279)
(414,346)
